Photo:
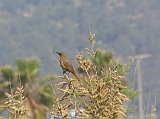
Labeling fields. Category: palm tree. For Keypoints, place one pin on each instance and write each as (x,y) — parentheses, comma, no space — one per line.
(38,92)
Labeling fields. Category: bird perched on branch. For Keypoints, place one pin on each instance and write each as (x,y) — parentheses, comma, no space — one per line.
(66,64)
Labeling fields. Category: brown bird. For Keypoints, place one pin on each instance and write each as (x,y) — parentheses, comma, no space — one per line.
(66,64)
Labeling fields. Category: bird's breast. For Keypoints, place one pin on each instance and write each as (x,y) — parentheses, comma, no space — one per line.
(63,66)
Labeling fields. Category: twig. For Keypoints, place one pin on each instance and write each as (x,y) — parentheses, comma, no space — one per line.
(77,51)
(10,86)
(54,56)
(54,94)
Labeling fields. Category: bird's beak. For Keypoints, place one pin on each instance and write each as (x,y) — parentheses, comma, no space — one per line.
(57,52)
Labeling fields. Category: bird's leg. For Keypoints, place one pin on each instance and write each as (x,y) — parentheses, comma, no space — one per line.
(64,72)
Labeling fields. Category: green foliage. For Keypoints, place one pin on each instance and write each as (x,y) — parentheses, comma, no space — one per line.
(102,59)
(122,69)
(131,110)
(7,72)
(38,92)
(131,93)
(27,69)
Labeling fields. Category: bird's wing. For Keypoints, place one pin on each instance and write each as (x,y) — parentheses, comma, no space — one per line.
(68,65)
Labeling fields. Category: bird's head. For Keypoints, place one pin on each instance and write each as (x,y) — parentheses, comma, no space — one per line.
(61,54)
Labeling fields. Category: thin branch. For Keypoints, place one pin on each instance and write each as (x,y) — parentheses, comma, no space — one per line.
(54,94)
(54,56)
(77,51)
(10,86)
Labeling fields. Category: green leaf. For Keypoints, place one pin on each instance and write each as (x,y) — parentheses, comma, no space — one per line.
(131,93)
(7,72)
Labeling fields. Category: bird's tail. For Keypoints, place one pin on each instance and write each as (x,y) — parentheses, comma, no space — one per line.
(74,73)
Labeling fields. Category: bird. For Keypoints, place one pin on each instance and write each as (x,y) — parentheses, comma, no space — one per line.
(66,65)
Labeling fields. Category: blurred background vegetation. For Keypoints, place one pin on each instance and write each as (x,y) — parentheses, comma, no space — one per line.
(30,28)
